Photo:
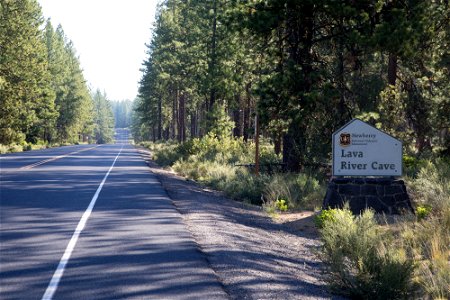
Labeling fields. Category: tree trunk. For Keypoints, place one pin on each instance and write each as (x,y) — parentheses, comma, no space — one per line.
(153,133)
(203,115)
(181,118)
(237,122)
(166,133)
(277,143)
(174,114)
(256,145)
(246,114)
(300,30)
(418,114)
(392,69)
(342,109)
(194,115)
(160,118)
(213,59)
(294,148)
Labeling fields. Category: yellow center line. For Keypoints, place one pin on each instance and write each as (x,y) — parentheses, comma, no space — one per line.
(54,158)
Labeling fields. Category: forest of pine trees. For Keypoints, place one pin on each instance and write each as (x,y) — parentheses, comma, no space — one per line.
(301,68)
(44,97)
(122,113)
(304,67)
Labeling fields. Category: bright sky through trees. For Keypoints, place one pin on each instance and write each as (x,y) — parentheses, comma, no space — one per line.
(109,36)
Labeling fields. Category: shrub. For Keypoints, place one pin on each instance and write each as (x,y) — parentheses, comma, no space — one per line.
(326,215)
(300,190)
(281,205)
(363,261)
(40,146)
(432,186)
(422,212)
(311,191)
(267,155)
(412,165)
(246,186)
(3,149)
(279,186)
(433,274)
(226,150)
(165,154)
(14,148)
(429,243)
(210,173)
(212,161)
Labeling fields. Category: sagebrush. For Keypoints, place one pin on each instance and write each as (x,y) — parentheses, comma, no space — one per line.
(224,163)
(362,260)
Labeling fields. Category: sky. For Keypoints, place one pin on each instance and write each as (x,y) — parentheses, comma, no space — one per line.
(110,38)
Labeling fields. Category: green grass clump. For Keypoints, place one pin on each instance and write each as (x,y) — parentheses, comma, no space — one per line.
(10,149)
(28,146)
(429,238)
(226,150)
(428,242)
(247,187)
(212,161)
(326,215)
(431,186)
(13,148)
(422,212)
(363,261)
(279,205)
(301,191)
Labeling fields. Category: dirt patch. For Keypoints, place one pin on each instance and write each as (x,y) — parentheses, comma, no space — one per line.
(299,221)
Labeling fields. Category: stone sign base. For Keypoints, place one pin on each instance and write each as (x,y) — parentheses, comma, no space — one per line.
(383,195)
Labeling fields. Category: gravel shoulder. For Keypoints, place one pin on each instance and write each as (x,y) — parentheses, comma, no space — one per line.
(254,256)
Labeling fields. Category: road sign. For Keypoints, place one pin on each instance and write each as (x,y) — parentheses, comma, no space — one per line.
(360,149)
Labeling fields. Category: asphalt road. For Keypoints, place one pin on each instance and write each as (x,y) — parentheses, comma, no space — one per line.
(66,235)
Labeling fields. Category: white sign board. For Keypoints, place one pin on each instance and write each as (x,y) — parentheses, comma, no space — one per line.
(362,150)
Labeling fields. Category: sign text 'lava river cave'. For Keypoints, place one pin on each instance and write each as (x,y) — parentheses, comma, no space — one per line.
(362,150)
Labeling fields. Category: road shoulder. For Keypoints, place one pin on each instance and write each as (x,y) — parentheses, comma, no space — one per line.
(254,256)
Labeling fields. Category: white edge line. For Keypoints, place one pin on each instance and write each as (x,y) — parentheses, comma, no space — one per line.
(54,282)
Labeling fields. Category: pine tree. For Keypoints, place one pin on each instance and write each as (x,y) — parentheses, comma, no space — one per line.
(104,118)
(26,97)
(303,67)
(73,99)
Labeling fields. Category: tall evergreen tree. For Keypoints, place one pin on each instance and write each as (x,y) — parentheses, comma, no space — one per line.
(308,66)
(104,118)
(26,97)
(73,99)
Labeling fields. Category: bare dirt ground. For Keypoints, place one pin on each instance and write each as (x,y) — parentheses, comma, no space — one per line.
(254,256)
